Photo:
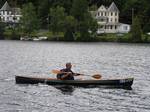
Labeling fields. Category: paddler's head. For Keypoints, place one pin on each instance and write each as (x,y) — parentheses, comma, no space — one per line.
(68,65)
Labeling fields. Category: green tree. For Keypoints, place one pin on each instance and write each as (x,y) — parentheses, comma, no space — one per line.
(93,26)
(79,8)
(57,18)
(29,20)
(1,30)
(93,7)
(43,10)
(146,28)
(136,32)
(69,26)
(66,4)
(86,23)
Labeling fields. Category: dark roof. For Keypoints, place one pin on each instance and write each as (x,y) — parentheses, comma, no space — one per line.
(113,8)
(6,6)
(112,23)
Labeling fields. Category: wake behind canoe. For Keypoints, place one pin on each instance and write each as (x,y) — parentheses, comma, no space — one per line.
(126,82)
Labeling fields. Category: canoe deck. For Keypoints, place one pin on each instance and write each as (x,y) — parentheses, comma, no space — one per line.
(126,82)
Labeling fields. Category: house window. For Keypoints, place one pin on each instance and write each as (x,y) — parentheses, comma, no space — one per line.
(115,19)
(111,19)
(100,26)
(125,27)
(102,13)
(102,20)
(111,14)
(115,13)
(111,27)
(115,27)
(105,13)
(107,19)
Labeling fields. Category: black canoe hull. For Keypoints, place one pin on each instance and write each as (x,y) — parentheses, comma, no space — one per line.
(126,82)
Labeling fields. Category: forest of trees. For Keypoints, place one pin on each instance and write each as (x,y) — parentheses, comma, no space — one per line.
(75,14)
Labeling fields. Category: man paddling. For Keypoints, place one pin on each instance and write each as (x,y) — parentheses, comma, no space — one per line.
(67,74)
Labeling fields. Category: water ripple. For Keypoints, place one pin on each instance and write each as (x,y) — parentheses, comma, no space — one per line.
(39,58)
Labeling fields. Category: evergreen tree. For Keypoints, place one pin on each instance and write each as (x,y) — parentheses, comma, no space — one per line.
(84,19)
(79,8)
(43,10)
(69,26)
(57,18)
(136,32)
(1,30)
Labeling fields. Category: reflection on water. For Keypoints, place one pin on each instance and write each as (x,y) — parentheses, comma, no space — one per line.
(65,89)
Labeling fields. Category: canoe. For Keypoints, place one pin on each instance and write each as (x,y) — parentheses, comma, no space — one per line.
(125,82)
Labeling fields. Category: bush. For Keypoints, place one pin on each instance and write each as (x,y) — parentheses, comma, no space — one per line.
(125,38)
(146,38)
(11,34)
(107,38)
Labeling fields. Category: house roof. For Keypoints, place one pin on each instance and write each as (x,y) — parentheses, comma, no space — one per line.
(6,6)
(102,8)
(113,8)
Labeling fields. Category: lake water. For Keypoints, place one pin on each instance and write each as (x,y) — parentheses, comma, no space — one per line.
(111,60)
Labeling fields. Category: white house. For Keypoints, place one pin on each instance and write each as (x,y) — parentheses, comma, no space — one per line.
(10,15)
(108,20)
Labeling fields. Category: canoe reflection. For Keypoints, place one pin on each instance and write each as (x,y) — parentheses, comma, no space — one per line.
(65,89)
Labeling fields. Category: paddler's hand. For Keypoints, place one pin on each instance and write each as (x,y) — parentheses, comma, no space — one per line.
(66,75)
(69,73)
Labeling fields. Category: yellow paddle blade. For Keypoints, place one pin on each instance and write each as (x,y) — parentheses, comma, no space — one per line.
(56,71)
(97,76)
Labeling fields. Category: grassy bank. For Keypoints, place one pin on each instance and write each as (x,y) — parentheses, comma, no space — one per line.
(12,34)
(120,38)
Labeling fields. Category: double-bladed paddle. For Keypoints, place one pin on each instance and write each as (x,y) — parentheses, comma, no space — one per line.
(96,76)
